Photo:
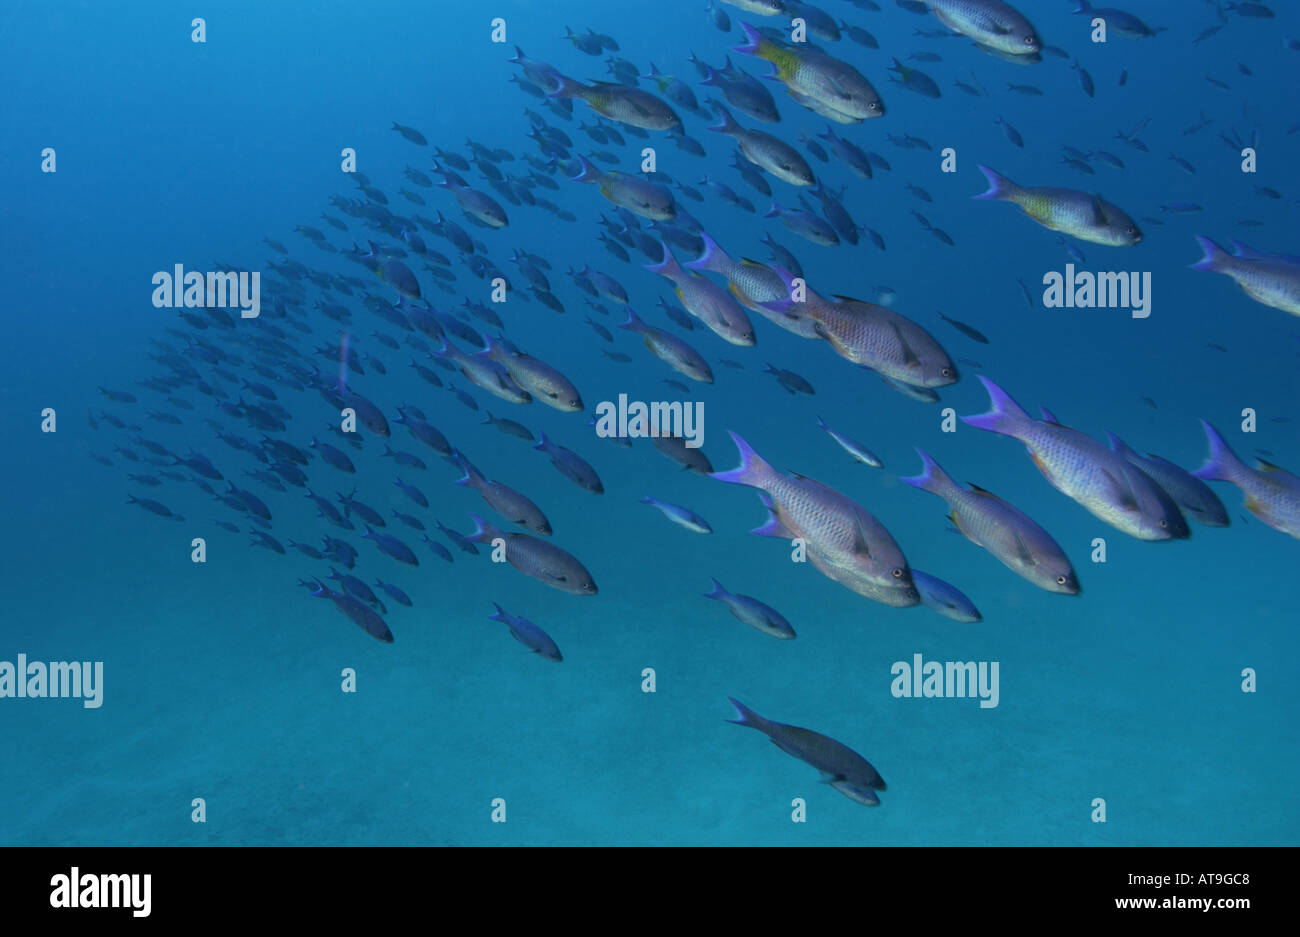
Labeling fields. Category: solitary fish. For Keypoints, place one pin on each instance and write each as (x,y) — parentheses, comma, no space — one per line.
(528,634)
(852,447)
(793,383)
(846,770)
(682,517)
(751,611)
(969,331)
(1075,464)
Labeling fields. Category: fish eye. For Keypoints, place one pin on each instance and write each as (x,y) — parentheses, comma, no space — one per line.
(898,573)
(1163,522)
(1029,40)
(947,372)
(1060,580)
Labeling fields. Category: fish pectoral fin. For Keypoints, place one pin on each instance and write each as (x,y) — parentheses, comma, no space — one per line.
(555,577)
(1099,212)
(1022,551)
(909,356)
(1123,492)
(860,545)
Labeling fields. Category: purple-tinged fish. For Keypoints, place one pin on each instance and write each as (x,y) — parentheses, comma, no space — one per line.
(540,559)
(1272,494)
(843,540)
(1005,531)
(751,611)
(1103,482)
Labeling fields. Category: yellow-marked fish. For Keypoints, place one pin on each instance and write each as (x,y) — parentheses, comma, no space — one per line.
(812,74)
(1079,214)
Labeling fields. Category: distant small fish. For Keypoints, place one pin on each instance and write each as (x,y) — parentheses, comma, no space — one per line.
(528,634)
(682,517)
(758,615)
(792,382)
(969,331)
(852,446)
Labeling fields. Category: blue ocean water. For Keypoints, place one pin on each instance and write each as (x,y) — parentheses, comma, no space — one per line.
(222,680)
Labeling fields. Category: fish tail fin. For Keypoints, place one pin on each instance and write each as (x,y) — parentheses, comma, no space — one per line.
(1215,256)
(1005,416)
(1083,6)
(633,323)
(1222,463)
(668,267)
(500,613)
(483,532)
(717,592)
(747,716)
(752,470)
(518,57)
(753,41)
(589,172)
(711,255)
(932,478)
(774,211)
(726,123)
(1000,187)
(568,88)
(544,444)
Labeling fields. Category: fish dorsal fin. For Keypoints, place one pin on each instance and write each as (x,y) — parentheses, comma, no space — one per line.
(983,492)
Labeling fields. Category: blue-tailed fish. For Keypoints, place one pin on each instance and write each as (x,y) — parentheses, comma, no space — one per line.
(1104,482)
